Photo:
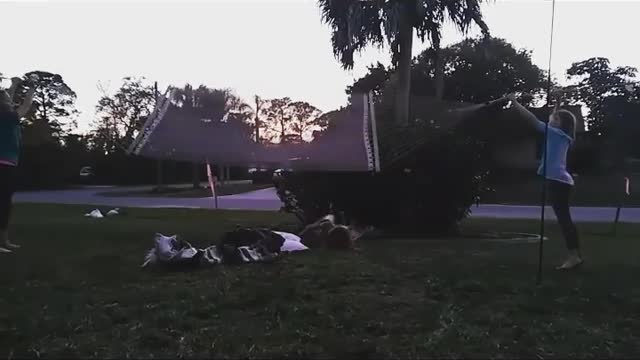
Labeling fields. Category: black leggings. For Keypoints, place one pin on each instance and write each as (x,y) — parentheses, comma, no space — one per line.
(559,194)
(7,174)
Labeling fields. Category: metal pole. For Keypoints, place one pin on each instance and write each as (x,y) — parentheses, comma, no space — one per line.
(621,203)
(544,153)
(159,179)
(374,132)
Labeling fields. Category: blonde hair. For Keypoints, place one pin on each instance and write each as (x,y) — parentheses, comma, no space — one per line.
(567,122)
(325,233)
(339,238)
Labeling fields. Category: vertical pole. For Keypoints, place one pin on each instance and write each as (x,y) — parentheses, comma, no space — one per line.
(159,172)
(374,132)
(215,190)
(257,118)
(212,184)
(621,202)
(544,152)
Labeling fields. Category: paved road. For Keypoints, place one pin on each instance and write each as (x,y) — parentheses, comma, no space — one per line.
(267,200)
(580,214)
(257,200)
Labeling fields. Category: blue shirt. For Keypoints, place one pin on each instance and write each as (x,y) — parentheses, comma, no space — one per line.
(558,143)
(9,136)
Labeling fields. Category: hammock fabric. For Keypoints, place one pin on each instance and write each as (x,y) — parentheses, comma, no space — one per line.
(241,246)
(174,134)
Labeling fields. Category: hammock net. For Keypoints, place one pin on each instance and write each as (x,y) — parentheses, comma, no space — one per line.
(355,141)
(348,144)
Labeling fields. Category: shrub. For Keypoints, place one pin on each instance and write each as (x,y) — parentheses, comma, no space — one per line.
(45,166)
(426,192)
(586,156)
(433,171)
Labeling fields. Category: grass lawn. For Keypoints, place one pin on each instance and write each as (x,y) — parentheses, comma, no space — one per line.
(76,290)
(187,192)
(589,191)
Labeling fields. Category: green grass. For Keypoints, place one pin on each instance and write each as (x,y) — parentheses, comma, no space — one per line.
(589,191)
(75,289)
(185,192)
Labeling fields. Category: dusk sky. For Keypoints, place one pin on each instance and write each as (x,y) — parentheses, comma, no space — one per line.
(272,48)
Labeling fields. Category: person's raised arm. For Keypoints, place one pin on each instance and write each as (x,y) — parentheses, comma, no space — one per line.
(489,104)
(526,114)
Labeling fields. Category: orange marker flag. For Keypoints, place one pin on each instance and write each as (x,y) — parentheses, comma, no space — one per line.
(626,185)
(212,180)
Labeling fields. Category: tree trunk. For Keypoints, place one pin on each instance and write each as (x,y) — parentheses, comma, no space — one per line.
(195,179)
(257,118)
(439,74)
(44,108)
(257,131)
(159,171)
(282,131)
(403,92)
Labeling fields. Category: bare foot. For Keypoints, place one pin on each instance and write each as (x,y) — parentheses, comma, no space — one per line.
(572,262)
(11,245)
(4,250)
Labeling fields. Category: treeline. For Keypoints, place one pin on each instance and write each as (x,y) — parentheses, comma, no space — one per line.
(53,153)
(483,69)
(475,70)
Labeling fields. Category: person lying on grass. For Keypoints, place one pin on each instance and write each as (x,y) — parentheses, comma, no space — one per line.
(325,233)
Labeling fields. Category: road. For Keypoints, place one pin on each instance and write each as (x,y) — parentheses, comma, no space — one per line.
(267,200)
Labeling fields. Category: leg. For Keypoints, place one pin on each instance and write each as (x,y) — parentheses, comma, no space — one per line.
(559,193)
(6,194)
(5,212)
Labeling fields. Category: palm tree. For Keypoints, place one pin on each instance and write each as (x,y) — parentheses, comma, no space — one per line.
(219,106)
(259,104)
(355,24)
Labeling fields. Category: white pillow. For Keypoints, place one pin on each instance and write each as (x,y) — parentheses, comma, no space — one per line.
(291,246)
(288,236)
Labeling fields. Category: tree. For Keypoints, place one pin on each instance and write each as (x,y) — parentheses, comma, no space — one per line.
(290,121)
(304,120)
(257,124)
(221,107)
(373,80)
(612,96)
(53,107)
(478,70)
(327,125)
(277,115)
(355,24)
(602,89)
(123,114)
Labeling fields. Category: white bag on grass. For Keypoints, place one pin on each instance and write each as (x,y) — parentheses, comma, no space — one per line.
(291,246)
(292,242)
(113,212)
(288,236)
(95,214)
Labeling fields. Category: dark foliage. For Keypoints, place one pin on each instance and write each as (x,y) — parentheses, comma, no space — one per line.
(425,191)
